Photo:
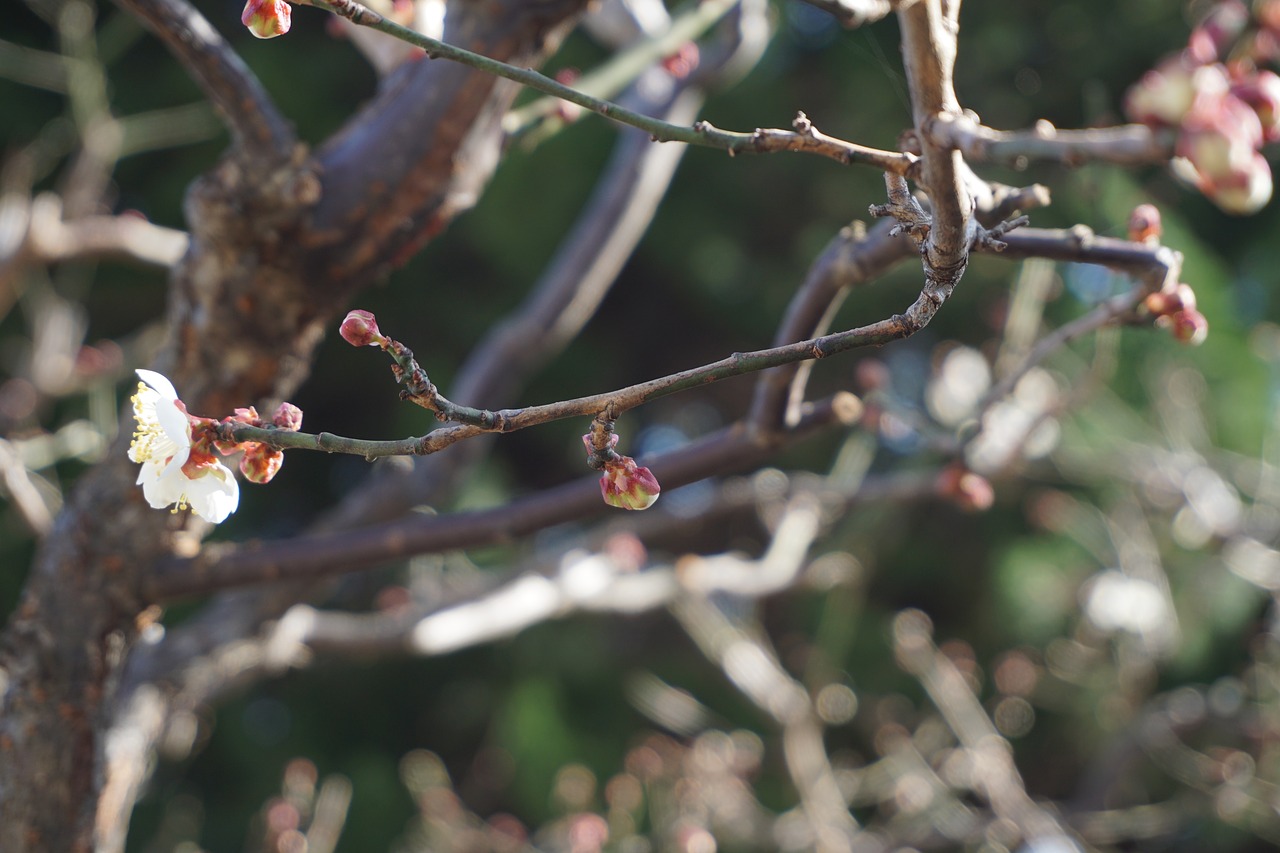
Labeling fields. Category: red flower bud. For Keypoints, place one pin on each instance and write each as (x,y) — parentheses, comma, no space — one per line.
(360,329)
(266,19)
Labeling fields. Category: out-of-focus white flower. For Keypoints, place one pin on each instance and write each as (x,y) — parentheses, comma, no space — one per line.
(171,474)
(1119,602)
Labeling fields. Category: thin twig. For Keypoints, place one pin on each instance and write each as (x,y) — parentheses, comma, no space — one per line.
(803,137)
(994,773)
(320,555)
(481,421)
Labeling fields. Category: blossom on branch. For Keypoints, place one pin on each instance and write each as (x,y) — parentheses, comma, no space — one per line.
(360,329)
(266,19)
(176,470)
(623,484)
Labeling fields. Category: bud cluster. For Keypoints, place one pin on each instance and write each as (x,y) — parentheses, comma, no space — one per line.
(1223,107)
(261,463)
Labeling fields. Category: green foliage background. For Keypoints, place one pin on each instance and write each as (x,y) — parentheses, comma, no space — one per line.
(724,254)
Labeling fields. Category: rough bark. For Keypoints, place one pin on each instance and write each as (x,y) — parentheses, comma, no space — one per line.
(277,248)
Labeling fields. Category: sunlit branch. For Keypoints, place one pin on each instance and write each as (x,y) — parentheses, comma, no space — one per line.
(479,421)
(223,567)
(1126,145)
(804,137)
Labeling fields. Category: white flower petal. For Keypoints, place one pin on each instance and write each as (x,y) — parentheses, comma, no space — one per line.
(160,383)
(215,495)
(162,491)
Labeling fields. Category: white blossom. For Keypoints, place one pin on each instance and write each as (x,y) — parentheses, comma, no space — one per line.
(162,445)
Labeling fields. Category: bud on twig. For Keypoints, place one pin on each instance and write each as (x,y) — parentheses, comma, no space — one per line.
(360,329)
(266,19)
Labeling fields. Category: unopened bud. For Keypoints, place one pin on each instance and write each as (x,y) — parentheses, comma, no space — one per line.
(1165,302)
(260,463)
(626,485)
(360,329)
(288,416)
(1188,326)
(1261,91)
(1144,224)
(266,19)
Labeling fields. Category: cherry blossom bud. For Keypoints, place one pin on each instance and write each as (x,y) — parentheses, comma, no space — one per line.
(1213,37)
(288,416)
(260,463)
(1261,91)
(1188,326)
(1244,191)
(1220,136)
(626,485)
(1144,224)
(360,329)
(266,19)
(1165,302)
(1165,94)
(683,62)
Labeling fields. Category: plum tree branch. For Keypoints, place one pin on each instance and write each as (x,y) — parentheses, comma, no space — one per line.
(803,137)
(250,114)
(316,556)
(1125,145)
(474,422)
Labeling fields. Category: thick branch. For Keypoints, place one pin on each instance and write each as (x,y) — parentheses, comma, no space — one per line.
(250,114)
(929,53)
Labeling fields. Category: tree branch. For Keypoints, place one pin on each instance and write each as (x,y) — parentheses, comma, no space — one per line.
(803,137)
(1126,145)
(249,113)
(223,567)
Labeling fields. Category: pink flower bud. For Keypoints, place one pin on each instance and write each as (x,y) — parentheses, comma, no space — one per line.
(1165,302)
(266,19)
(360,329)
(1244,191)
(260,463)
(683,62)
(1261,91)
(1144,224)
(1213,37)
(1188,326)
(1165,94)
(626,485)
(288,416)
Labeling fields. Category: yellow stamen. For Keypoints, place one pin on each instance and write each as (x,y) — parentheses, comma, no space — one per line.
(148,430)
